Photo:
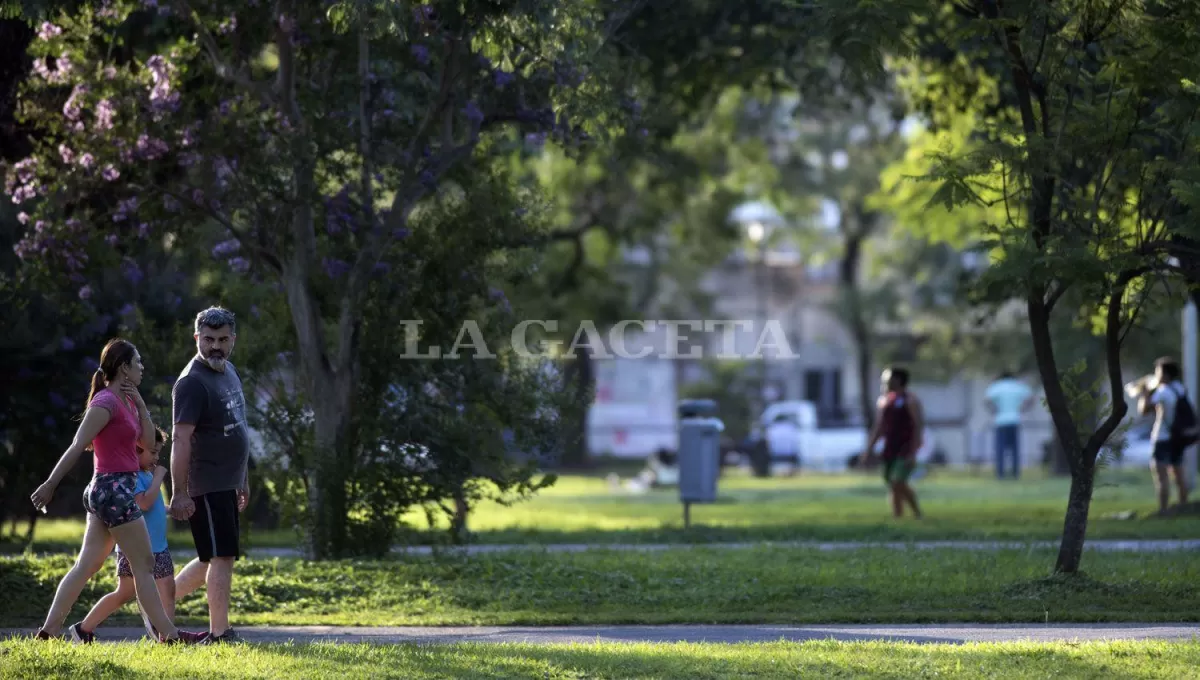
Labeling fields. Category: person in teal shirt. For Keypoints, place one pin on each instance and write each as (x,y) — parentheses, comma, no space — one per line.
(1007,399)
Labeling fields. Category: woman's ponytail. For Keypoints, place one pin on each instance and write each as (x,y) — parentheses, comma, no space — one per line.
(98,384)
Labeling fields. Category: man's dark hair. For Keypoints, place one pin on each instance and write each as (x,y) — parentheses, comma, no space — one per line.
(216,317)
(900,374)
(1169,367)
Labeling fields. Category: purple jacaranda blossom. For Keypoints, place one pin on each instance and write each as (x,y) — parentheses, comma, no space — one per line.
(125,208)
(225,107)
(48,30)
(110,72)
(381,268)
(188,138)
(23,218)
(40,226)
(105,114)
(427,178)
(421,54)
(112,239)
(228,26)
(86,161)
(85,293)
(23,193)
(127,310)
(400,234)
(151,148)
(170,204)
(198,196)
(422,13)
(535,138)
(189,159)
(504,79)
(62,67)
(74,225)
(56,399)
(335,268)
(73,107)
(254,311)
(78,127)
(240,264)
(124,153)
(143,231)
(64,151)
(226,248)
(132,272)
(473,114)
(68,344)
(26,169)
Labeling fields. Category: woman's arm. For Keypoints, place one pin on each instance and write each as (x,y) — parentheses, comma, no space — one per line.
(94,420)
(148,431)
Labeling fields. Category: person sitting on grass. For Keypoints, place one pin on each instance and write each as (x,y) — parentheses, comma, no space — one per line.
(148,492)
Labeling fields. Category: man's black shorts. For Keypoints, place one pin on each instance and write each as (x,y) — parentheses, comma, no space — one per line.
(215,525)
(1168,453)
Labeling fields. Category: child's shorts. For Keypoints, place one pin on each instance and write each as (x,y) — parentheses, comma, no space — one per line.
(164,567)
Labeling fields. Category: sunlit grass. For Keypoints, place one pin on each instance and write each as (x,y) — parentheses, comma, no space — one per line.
(847,507)
(682,585)
(825,659)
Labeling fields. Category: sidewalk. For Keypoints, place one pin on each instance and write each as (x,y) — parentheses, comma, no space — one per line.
(482,549)
(932,633)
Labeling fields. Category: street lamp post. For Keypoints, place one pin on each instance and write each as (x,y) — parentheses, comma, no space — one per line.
(1190,376)
(757,232)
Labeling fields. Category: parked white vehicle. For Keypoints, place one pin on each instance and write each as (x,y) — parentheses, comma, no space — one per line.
(829,449)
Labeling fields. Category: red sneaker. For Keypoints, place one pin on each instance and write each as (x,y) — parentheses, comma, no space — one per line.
(185,637)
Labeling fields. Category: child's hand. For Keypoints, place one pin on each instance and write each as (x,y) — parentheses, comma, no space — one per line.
(160,470)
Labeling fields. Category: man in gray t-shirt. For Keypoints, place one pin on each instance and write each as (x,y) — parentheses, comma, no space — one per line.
(209,462)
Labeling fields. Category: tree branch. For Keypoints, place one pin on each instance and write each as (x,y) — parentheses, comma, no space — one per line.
(224,71)
(1112,351)
(285,12)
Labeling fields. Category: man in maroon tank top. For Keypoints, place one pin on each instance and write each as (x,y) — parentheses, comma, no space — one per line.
(900,423)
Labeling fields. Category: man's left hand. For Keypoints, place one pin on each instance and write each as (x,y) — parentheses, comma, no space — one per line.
(243,498)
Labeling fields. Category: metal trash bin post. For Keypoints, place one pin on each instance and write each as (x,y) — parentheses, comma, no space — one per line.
(699,453)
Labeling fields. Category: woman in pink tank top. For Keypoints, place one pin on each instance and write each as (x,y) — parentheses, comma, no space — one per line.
(115,424)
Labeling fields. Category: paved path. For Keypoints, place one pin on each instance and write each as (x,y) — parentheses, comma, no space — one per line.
(479,549)
(937,633)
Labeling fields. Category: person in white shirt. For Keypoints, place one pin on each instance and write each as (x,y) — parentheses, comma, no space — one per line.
(783,441)
(1007,399)
(1168,455)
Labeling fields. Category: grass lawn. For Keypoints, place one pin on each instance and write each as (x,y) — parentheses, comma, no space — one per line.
(700,585)
(582,509)
(29,659)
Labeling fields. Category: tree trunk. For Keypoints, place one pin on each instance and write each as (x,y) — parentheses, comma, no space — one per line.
(458,522)
(858,325)
(327,493)
(580,380)
(1070,551)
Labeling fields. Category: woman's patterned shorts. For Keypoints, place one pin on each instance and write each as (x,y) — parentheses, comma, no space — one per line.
(110,497)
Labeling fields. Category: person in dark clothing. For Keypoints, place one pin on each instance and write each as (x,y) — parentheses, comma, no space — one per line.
(901,425)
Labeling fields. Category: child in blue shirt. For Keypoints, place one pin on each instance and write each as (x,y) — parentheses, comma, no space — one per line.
(149,498)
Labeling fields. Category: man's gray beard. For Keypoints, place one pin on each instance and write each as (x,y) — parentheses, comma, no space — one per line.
(215,363)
